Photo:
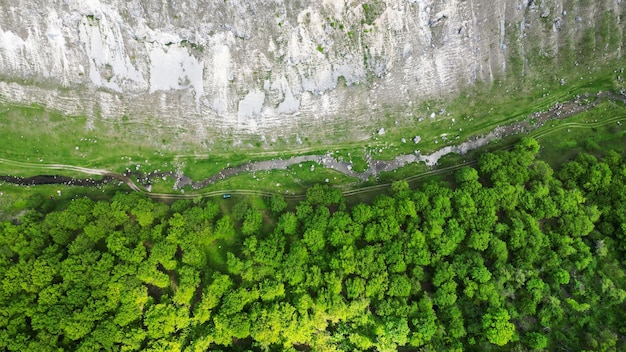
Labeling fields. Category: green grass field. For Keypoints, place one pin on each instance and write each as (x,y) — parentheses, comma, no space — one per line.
(575,134)
(295,180)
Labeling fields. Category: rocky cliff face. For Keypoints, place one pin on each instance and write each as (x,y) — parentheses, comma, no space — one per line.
(265,67)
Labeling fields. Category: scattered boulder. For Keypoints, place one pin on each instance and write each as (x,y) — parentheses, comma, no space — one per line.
(417,139)
(403,140)
(381,131)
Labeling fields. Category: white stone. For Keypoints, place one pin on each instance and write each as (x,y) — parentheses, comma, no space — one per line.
(224,66)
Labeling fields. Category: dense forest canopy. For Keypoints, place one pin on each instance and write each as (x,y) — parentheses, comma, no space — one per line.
(511,255)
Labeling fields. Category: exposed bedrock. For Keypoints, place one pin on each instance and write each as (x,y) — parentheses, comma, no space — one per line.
(272,67)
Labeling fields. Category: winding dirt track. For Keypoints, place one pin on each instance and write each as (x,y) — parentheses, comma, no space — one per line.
(133,186)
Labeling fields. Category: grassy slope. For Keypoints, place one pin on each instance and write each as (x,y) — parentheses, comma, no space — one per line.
(32,134)
(560,140)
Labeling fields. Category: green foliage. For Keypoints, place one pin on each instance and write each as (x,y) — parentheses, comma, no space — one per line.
(252,222)
(498,329)
(515,257)
(323,195)
(277,204)
(536,340)
(372,10)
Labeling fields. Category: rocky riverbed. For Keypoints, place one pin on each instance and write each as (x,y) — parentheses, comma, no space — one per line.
(375,167)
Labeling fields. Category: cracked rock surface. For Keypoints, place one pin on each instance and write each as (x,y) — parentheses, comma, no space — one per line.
(256,67)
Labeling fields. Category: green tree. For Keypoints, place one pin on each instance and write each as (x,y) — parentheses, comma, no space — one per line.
(399,286)
(362,213)
(498,329)
(239,211)
(467,179)
(224,228)
(189,279)
(252,223)
(424,324)
(323,195)
(288,222)
(164,319)
(277,204)
(400,188)
(536,340)
(479,240)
